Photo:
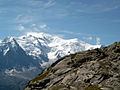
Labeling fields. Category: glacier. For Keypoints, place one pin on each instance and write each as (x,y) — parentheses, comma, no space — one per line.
(51,46)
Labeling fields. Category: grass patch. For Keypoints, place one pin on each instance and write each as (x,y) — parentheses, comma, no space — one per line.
(57,87)
(73,55)
(41,76)
(93,87)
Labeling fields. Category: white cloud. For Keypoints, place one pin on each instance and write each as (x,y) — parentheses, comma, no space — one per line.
(40,3)
(62,14)
(33,25)
(110,8)
(88,38)
(98,41)
(21,27)
(39,27)
(68,32)
(61,35)
(49,3)
(23,19)
(34,2)
(43,26)
(35,29)
(95,7)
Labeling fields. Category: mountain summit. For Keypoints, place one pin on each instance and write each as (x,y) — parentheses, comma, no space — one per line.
(31,53)
(42,47)
(48,48)
(97,69)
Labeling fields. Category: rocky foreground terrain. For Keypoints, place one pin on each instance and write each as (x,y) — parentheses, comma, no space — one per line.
(97,69)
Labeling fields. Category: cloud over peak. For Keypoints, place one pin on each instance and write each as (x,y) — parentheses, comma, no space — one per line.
(21,27)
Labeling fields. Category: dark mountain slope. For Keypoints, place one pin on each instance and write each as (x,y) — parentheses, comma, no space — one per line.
(97,69)
(13,60)
(13,56)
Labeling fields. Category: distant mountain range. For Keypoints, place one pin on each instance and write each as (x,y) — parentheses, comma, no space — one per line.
(25,56)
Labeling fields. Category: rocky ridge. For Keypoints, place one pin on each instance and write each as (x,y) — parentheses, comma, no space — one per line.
(97,69)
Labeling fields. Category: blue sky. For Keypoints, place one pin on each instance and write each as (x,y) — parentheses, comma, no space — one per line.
(92,21)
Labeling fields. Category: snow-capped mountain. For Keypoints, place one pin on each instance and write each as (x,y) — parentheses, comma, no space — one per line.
(13,56)
(48,48)
(38,49)
(30,53)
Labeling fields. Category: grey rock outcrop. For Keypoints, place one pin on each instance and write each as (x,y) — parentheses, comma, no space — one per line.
(97,69)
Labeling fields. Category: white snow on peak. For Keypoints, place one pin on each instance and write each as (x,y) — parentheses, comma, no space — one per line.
(0,41)
(31,44)
(10,40)
(6,51)
(38,35)
(51,46)
(45,47)
(6,44)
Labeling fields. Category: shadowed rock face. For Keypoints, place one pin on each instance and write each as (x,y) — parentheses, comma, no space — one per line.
(97,69)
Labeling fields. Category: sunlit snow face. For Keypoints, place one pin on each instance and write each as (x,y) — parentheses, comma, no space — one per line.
(44,47)
(36,44)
